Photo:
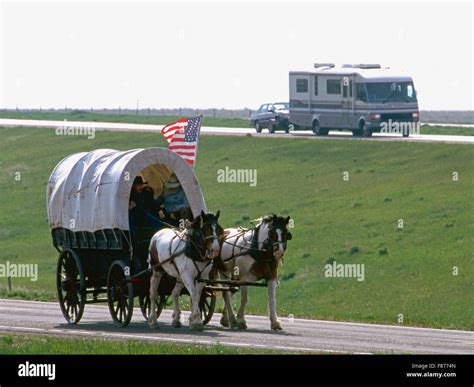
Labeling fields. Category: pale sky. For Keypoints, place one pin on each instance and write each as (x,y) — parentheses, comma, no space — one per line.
(230,55)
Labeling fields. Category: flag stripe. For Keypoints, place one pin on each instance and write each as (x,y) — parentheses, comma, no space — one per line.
(182,137)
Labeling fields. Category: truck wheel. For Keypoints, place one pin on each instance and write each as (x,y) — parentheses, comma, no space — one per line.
(258,128)
(366,132)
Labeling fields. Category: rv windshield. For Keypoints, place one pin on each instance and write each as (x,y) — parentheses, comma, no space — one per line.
(390,91)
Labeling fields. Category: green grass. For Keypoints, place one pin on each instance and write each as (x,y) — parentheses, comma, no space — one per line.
(407,271)
(47,345)
(449,130)
(81,115)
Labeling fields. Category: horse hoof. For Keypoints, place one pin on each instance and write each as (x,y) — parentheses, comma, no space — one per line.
(197,327)
(241,325)
(176,324)
(154,325)
(276,326)
(224,322)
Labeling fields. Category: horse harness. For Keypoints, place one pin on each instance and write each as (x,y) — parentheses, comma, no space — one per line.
(265,254)
(192,250)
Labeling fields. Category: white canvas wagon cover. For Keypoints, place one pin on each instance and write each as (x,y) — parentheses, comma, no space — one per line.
(90,191)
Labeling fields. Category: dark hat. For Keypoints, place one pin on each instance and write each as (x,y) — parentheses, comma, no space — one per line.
(139,180)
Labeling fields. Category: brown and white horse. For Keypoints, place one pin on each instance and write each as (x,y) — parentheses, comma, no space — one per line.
(186,256)
(253,255)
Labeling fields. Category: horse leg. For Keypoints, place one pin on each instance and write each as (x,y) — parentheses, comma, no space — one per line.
(176,310)
(228,316)
(154,283)
(195,290)
(224,319)
(275,324)
(244,298)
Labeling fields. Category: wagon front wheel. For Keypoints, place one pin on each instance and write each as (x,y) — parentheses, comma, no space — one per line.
(70,285)
(120,293)
(145,305)
(207,304)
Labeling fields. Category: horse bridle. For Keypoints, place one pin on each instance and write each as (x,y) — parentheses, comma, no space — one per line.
(269,240)
(203,239)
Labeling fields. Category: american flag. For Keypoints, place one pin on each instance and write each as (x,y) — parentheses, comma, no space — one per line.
(182,137)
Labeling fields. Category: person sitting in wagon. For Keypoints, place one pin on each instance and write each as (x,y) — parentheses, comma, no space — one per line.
(176,204)
(139,207)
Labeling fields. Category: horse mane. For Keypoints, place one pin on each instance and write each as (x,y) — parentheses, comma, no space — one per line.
(262,219)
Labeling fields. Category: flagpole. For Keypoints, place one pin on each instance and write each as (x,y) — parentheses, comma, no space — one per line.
(197,142)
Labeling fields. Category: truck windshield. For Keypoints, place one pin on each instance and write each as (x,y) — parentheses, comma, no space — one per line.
(390,91)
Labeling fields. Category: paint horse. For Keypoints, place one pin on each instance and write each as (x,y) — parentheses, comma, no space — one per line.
(252,255)
(186,256)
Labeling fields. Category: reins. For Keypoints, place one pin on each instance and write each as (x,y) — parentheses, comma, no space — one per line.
(249,250)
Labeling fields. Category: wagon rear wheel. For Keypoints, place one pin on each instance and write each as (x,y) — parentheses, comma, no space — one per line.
(70,285)
(207,304)
(120,293)
(145,305)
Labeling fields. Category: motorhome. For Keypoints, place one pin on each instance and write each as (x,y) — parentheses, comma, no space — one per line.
(363,98)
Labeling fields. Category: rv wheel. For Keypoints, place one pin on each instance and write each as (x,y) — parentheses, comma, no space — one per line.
(317,129)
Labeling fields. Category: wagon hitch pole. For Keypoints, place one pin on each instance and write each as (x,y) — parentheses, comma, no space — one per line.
(233,283)
(137,277)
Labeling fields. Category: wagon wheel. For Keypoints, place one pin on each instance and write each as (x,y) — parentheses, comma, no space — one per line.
(120,293)
(145,305)
(207,304)
(70,285)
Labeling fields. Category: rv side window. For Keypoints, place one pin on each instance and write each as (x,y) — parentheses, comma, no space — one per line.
(360,92)
(315,85)
(333,86)
(301,85)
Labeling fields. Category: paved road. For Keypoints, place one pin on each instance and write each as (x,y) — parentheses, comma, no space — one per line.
(108,126)
(307,336)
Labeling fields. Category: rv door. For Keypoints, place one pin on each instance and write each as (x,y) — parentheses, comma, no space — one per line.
(347,101)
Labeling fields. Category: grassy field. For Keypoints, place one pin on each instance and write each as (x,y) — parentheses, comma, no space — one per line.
(452,131)
(47,345)
(78,115)
(408,271)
